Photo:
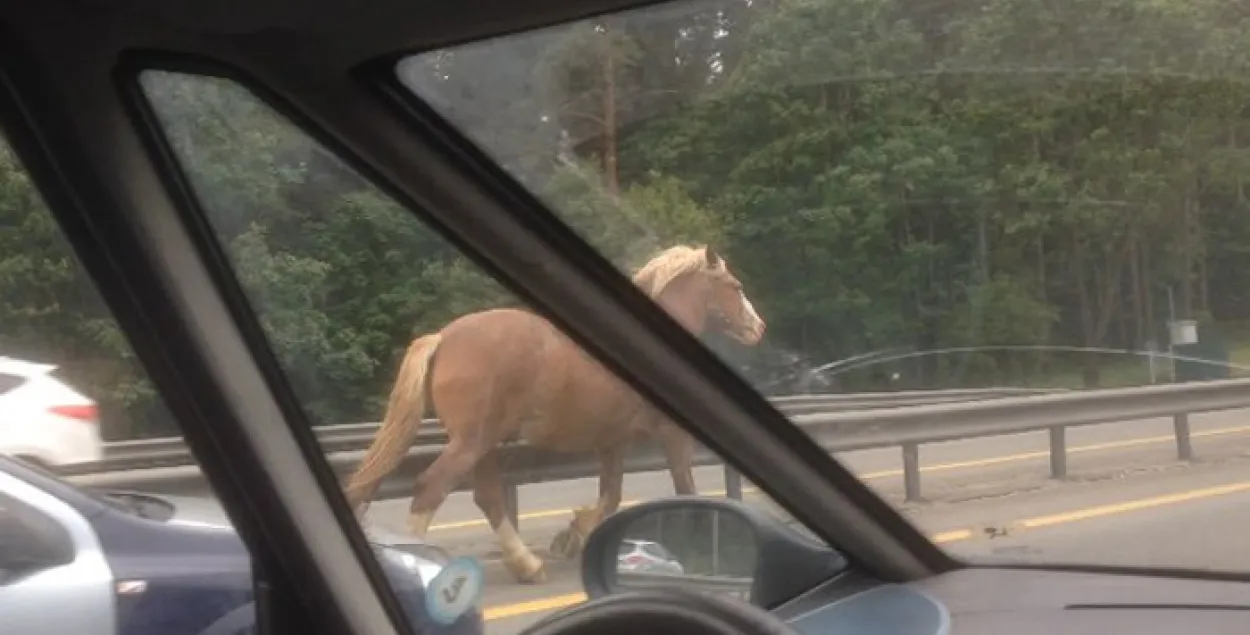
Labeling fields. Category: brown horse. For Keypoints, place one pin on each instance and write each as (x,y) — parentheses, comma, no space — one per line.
(504,374)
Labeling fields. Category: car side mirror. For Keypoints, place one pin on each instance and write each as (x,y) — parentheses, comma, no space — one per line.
(715,545)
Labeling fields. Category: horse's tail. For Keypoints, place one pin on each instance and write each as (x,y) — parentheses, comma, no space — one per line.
(401,423)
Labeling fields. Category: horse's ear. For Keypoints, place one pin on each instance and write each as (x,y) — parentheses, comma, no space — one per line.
(713,259)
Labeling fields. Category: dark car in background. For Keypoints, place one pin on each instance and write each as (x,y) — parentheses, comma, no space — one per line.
(87,562)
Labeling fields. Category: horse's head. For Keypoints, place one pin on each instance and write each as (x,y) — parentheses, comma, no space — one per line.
(729,310)
(696,287)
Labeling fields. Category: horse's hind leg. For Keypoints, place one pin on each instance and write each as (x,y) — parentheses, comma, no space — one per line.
(488,493)
(568,543)
(437,481)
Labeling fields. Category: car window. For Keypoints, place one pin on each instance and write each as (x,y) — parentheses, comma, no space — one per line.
(9,382)
(657,551)
(437,396)
(30,540)
(995,244)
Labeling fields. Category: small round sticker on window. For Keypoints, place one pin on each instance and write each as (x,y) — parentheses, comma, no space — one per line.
(454,590)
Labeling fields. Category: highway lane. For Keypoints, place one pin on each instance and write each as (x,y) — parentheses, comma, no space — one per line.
(1165,516)
(1202,525)
(952,471)
(1173,518)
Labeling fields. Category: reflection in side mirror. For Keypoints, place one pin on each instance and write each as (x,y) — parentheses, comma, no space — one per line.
(711,545)
(700,549)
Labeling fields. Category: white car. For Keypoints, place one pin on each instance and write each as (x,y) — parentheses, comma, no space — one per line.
(42,419)
(646,556)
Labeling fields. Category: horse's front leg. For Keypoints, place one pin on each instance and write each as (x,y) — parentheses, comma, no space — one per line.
(568,543)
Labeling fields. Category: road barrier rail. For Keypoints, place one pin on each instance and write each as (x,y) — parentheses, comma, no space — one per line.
(887,424)
(172,451)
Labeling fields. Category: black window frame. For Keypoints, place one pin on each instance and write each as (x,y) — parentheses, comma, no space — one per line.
(116,252)
(378,79)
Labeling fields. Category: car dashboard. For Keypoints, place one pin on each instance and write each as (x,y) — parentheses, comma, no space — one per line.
(996,601)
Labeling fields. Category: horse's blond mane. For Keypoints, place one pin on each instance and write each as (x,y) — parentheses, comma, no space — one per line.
(668,265)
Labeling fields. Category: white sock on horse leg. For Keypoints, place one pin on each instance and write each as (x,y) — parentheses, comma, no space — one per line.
(419,523)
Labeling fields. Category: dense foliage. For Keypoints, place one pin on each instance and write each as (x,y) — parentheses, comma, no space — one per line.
(882,174)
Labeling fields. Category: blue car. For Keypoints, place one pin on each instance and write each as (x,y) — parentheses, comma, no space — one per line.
(132,563)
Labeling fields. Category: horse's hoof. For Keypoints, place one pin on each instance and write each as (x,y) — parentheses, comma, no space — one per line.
(538,576)
(419,524)
(567,544)
(528,569)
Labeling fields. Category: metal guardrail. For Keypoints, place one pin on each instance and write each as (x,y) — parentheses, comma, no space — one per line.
(172,451)
(908,426)
(719,585)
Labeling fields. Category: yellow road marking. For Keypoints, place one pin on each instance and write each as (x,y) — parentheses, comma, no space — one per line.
(951,536)
(1130,506)
(562,601)
(532,606)
(941,467)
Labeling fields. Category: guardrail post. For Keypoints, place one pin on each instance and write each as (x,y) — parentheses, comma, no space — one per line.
(911,472)
(1058,452)
(1184,448)
(733,483)
(510,504)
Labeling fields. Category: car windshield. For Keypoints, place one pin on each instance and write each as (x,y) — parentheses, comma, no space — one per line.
(959,223)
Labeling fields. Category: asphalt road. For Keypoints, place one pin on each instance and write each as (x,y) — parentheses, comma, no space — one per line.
(952,471)
(1128,501)
(1191,518)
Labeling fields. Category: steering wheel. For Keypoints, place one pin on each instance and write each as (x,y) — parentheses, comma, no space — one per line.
(668,612)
